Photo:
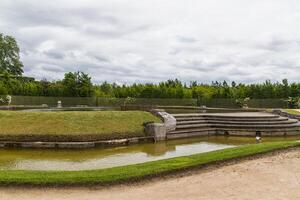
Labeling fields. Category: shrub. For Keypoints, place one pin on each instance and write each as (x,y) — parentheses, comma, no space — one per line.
(293,102)
(6,100)
(243,103)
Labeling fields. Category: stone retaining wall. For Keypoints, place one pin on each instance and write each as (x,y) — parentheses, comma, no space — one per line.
(75,145)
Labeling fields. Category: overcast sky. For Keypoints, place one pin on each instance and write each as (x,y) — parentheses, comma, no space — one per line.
(128,41)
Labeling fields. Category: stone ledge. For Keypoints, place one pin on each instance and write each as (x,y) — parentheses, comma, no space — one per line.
(74,145)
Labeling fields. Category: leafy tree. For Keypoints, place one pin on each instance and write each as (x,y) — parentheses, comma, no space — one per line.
(9,56)
(85,86)
(77,84)
(70,84)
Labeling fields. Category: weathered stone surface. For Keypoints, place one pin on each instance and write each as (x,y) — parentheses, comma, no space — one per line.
(133,140)
(169,121)
(157,130)
(37,145)
(75,145)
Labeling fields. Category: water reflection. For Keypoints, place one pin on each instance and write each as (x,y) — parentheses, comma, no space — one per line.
(34,159)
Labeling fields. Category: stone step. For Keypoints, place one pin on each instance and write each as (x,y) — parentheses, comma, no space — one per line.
(192,130)
(288,121)
(191,122)
(231,129)
(191,134)
(228,115)
(234,132)
(246,126)
(193,126)
(231,119)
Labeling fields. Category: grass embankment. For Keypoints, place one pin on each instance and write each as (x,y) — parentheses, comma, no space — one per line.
(135,172)
(292,111)
(72,126)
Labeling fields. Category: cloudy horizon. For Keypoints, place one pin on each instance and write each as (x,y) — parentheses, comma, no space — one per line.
(128,41)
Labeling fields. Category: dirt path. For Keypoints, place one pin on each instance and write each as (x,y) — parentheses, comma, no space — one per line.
(268,178)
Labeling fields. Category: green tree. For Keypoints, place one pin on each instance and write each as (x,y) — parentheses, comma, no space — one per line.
(9,56)
(85,86)
(77,84)
(70,84)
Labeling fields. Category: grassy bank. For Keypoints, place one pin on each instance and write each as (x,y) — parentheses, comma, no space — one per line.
(135,172)
(72,126)
(292,111)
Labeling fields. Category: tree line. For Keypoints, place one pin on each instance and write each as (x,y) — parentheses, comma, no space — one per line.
(79,84)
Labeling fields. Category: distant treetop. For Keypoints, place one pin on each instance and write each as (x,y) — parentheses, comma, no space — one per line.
(9,56)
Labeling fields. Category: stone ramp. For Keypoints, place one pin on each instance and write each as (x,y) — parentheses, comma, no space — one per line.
(242,124)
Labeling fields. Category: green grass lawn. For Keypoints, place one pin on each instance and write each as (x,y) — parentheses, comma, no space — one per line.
(138,171)
(72,126)
(292,111)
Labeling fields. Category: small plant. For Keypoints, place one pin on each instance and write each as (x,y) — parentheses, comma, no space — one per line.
(293,102)
(129,100)
(243,103)
(8,99)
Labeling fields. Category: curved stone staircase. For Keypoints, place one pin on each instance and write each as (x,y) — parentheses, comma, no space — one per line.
(243,124)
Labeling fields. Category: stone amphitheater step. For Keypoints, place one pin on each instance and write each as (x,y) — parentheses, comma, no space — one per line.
(229,115)
(191,133)
(231,119)
(209,121)
(246,126)
(237,132)
(198,129)
(192,130)
(195,124)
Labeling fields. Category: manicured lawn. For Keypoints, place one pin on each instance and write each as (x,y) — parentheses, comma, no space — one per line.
(292,111)
(72,126)
(138,171)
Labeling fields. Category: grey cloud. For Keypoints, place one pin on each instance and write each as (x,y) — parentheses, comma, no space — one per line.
(279,44)
(199,65)
(54,54)
(52,68)
(144,41)
(101,58)
(186,39)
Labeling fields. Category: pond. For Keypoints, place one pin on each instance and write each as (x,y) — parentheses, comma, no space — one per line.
(99,158)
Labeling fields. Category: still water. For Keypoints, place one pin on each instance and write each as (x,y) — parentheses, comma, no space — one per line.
(99,158)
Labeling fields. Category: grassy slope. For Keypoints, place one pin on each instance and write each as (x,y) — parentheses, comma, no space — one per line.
(135,172)
(291,111)
(75,126)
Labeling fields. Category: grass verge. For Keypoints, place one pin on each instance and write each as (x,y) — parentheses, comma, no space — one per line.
(292,111)
(135,172)
(72,126)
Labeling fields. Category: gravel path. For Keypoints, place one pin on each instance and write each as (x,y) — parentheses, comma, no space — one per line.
(267,178)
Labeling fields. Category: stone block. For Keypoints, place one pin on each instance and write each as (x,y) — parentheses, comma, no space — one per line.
(157,130)
(168,119)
